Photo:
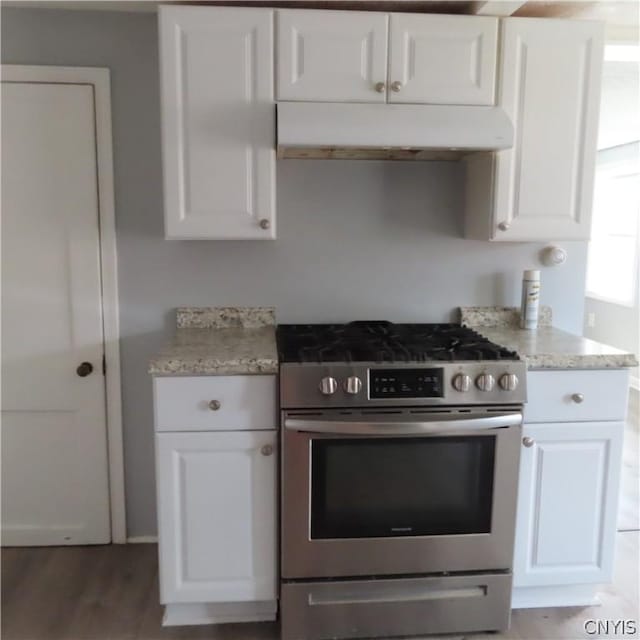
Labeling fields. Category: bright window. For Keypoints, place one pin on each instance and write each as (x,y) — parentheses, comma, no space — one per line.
(612,272)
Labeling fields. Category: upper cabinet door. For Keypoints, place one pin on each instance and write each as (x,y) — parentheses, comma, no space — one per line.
(218,122)
(439,59)
(332,56)
(550,88)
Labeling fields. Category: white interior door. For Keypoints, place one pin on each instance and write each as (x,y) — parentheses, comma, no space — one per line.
(55,486)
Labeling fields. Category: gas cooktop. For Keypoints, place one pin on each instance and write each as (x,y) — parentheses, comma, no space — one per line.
(381,341)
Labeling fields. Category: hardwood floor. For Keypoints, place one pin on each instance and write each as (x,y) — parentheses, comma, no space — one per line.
(111,593)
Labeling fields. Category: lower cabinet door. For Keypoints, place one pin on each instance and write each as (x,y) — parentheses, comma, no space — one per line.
(217,516)
(567,503)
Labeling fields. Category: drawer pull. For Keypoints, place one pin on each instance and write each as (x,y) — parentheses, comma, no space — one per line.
(528,442)
(577,398)
(266,450)
(214,405)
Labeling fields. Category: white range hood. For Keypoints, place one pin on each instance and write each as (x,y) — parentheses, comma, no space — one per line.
(396,131)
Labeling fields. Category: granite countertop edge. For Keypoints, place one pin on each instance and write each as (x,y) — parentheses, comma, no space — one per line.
(216,341)
(207,367)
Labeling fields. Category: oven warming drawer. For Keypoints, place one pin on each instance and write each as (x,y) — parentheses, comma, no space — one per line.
(395,607)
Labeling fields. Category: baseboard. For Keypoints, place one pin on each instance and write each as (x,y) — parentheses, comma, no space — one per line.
(579,595)
(191,613)
(142,540)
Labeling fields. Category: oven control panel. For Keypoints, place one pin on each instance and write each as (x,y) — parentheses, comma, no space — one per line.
(406,383)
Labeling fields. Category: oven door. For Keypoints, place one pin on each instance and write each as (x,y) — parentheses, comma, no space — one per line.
(398,493)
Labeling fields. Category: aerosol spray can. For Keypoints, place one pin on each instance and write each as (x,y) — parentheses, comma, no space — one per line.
(530,299)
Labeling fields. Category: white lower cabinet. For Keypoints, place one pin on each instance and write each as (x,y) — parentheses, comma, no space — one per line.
(567,496)
(217,527)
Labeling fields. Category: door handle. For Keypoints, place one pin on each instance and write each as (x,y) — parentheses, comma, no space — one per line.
(447,427)
(84,369)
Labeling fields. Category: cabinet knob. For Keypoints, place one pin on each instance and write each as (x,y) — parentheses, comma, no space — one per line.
(379,87)
(214,405)
(396,86)
(264,223)
(577,398)
(528,442)
(266,450)
(503,226)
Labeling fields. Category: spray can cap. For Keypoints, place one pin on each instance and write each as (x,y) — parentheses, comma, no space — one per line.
(532,274)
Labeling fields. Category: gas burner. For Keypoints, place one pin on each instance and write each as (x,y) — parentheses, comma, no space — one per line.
(380,341)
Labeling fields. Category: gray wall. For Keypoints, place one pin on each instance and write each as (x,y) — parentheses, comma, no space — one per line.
(357,240)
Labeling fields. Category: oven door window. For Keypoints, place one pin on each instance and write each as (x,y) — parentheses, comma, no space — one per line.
(388,487)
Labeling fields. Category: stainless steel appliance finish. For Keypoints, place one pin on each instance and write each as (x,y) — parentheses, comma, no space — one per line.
(306,557)
(324,385)
(392,607)
(398,479)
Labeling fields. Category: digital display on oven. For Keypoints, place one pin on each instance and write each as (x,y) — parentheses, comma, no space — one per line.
(406,383)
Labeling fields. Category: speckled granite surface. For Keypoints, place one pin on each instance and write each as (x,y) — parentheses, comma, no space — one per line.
(550,348)
(500,316)
(224,317)
(544,347)
(220,341)
(217,352)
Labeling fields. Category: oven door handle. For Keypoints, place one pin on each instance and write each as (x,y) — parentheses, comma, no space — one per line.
(440,427)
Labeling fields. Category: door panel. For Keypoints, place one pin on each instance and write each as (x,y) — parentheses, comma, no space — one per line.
(218,122)
(397,552)
(567,503)
(216,510)
(443,59)
(331,56)
(54,457)
(550,88)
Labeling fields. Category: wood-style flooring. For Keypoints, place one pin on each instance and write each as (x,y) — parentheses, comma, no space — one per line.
(111,593)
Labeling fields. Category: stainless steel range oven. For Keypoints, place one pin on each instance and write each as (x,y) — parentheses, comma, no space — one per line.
(398,497)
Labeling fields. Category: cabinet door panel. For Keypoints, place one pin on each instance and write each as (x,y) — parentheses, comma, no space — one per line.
(550,88)
(218,122)
(331,56)
(216,511)
(567,503)
(443,59)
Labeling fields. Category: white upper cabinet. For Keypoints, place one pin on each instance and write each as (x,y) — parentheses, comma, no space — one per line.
(542,188)
(332,56)
(218,122)
(439,59)
(341,56)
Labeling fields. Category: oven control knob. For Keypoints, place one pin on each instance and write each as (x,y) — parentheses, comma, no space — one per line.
(485,382)
(352,385)
(328,386)
(508,381)
(461,382)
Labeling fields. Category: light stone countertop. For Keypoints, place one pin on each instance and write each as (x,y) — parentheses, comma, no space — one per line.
(220,341)
(545,347)
(218,352)
(550,348)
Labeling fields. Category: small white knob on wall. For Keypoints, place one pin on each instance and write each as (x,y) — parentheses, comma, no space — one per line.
(553,256)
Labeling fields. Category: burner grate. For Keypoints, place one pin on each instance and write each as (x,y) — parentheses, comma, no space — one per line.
(379,341)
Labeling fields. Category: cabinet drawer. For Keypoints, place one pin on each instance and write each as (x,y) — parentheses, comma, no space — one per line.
(244,402)
(554,396)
